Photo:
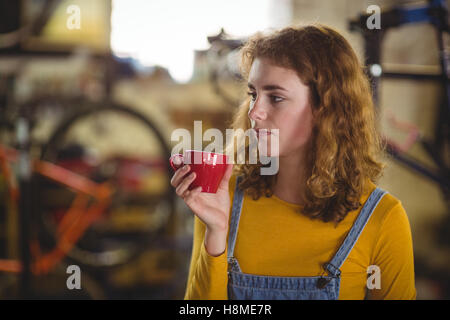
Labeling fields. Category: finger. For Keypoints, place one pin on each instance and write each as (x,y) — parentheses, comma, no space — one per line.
(177,161)
(182,187)
(178,176)
(191,197)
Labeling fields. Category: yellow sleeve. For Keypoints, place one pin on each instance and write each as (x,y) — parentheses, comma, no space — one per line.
(393,254)
(208,277)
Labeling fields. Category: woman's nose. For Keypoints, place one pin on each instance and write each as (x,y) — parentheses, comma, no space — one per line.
(256,111)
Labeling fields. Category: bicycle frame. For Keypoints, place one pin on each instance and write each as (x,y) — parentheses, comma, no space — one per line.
(435,13)
(75,222)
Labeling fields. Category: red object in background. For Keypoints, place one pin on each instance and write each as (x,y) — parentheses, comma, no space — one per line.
(127,172)
(78,165)
(72,225)
(209,168)
(130,171)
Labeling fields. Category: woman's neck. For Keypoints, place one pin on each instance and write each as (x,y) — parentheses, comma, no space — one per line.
(291,179)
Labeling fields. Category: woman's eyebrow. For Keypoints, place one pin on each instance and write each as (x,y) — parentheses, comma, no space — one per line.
(269,87)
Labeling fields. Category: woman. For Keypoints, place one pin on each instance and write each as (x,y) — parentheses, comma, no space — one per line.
(319,228)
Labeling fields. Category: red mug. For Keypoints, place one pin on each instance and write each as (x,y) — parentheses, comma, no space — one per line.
(209,168)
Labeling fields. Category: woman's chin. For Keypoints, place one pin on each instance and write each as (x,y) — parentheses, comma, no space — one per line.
(267,152)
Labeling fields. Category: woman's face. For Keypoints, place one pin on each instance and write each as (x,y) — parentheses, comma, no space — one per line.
(279,101)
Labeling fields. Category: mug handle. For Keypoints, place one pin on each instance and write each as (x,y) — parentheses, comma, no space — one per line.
(174,167)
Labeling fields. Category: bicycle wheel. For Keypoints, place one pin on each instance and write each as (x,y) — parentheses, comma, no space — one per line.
(115,144)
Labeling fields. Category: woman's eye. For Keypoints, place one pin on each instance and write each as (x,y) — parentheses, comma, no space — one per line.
(276,99)
(253,95)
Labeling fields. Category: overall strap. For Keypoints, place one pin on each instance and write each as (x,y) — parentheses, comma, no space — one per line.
(235,216)
(333,266)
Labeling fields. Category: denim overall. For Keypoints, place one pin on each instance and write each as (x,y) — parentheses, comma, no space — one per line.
(243,286)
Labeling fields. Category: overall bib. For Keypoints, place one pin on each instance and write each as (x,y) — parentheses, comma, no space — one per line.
(243,286)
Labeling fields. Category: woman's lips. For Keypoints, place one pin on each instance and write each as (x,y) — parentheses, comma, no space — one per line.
(262,132)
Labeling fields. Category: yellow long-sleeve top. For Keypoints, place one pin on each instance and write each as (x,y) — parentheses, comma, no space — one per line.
(274,239)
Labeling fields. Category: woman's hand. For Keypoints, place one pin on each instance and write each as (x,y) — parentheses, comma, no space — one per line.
(212,209)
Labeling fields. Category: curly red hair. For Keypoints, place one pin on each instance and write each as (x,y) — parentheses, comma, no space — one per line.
(346,144)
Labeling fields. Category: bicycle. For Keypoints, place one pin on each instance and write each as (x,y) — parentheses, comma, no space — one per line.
(81,228)
(434,12)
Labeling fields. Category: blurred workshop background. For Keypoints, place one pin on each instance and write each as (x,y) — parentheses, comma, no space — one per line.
(90,92)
